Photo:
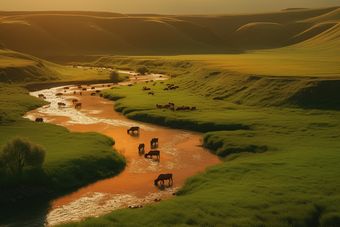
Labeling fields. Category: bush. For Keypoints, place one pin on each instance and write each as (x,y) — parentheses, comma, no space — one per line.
(142,70)
(114,76)
(20,152)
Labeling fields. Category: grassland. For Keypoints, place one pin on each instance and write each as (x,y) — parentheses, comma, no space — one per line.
(73,159)
(273,114)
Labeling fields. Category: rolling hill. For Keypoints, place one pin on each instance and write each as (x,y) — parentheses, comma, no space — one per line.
(51,33)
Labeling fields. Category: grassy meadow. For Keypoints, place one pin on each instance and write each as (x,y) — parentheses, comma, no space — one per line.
(270,109)
(73,159)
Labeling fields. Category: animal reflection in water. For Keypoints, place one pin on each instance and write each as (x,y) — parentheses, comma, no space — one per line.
(133,129)
(153,153)
(163,177)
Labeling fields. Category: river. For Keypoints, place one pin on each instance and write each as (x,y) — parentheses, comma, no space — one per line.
(180,150)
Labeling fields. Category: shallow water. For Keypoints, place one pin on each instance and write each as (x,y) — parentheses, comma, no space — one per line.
(180,154)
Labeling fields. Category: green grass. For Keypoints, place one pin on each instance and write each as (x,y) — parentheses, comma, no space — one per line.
(72,160)
(281,164)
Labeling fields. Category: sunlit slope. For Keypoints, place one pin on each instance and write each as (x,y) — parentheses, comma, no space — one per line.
(18,67)
(66,33)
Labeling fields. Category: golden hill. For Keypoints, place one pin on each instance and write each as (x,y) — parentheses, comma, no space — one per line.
(52,33)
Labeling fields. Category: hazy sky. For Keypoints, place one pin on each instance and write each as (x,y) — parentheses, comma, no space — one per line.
(165,6)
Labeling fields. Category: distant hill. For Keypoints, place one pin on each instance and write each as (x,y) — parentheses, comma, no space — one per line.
(52,33)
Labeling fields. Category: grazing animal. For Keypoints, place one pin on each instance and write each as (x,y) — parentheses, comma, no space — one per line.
(84,89)
(74,92)
(186,108)
(193,108)
(162,82)
(74,101)
(59,94)
(141,147)
(154,141)
(129,85)
(93,88)
(98,91)
(41,96)
(172,107)
(61,104)
(93,94)
(171,103)
(109,85)
(163,177)
(133,129)
(159,106)
(78,105)
(180,108)
(39,120)
(151,93)
(165,89)
(152,153)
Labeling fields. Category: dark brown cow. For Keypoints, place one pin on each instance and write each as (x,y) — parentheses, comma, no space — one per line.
(61,104)
(154,141)
(93,94)
(59,94)
(153,153)
(39,120)
(193,108)
(74,101)
(180,108)
(141,147)
(78,105)
(41,96)
(151,93)
(163,177)
(93,88)
(74,92)
(98,91)
(132,129)
(84,89)
(159,106)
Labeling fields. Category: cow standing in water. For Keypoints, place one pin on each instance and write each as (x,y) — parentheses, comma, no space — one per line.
(152,153)
(154,141)
(163,177)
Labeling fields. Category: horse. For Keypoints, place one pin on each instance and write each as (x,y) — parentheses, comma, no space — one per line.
(133,129)
(154,140)
(39,120)
(78,105)
(163,177)
(152,153)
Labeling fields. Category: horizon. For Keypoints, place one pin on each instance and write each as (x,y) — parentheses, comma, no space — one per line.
(166,7)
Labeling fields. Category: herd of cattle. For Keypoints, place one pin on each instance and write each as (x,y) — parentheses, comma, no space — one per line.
(151,154)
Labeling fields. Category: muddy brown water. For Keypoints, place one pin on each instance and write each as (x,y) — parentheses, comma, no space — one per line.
(180,154)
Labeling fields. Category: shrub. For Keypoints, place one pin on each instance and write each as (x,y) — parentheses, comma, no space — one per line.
(114,76)
(20,152)
(142,70)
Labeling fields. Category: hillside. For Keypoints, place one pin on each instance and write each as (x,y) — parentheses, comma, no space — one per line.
(52,33)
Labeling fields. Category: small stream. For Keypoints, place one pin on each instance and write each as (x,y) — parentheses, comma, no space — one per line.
(180,150)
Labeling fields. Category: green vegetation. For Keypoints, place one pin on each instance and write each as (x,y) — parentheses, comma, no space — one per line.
(20,152)
(72,159)
(278,135)
(142,70)
(273,115)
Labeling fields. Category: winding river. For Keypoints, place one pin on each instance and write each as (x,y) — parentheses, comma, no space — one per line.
(181,155)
